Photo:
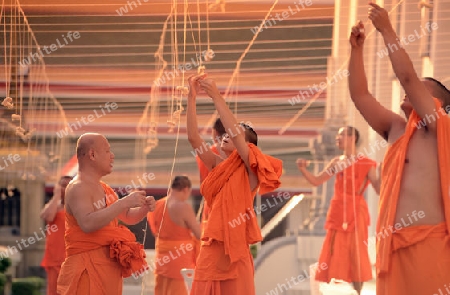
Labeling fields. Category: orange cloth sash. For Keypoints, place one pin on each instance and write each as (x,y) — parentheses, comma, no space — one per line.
(202,167)
(419,263)
(229,196)
(411,235)
(203,174)
(392,173)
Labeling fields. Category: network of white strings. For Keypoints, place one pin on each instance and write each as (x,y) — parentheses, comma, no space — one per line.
(32,103)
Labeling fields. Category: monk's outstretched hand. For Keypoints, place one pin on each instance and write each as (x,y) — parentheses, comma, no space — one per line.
(135,199)
(194,86)
(210,87)
(301,163)
(357,35)
(151,203)
(380,18)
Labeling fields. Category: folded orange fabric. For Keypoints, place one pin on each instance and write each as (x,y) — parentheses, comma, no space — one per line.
(392,173)
(169,286)
(114,245)
(227,191)
(419,262)
(204,171)
(216,275)
(225,265)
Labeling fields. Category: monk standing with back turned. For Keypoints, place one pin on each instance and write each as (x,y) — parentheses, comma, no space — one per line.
(99,251)
(413,247)
(177,232)
(225,265)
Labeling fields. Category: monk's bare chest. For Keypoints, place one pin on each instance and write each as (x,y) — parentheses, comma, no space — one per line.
(422,151)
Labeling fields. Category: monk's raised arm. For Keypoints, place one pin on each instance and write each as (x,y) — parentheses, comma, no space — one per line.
(201,148)
(377,116)
(320,178)
(417,93)
(50,209)
(235,130)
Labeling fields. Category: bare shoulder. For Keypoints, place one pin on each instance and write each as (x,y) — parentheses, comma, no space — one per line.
(180,208)
(76,192)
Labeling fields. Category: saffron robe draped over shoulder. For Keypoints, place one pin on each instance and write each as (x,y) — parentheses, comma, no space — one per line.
(96,262)
(203,174)
(344,250)
(225,265)
(176,249)
(415,260)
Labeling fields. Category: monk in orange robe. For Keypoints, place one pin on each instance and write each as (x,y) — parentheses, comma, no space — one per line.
(55,252)
(225,265)
(173,222)
(413,249)
(99,251)
(344,252)
(217,132)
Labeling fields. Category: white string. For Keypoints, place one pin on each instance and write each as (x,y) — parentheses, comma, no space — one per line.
(238,64)
(153,105)
(301,111)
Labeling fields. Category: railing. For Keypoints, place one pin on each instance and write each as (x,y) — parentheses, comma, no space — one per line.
(272,223)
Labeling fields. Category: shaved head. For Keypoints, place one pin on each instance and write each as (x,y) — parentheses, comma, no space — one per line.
(94,154)
(87,142)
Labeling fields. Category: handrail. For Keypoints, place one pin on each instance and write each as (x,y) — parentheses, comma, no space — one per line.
(272,246)
(287,208)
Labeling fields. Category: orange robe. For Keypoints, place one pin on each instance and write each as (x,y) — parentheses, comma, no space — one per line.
(344,250)
(204,171)
(96,262)
(415,259)
(175,249)
(55,251)
(225,265)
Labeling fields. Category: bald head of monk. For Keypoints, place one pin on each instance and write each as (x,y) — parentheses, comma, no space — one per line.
(436,89)
(94,154)
(181,187)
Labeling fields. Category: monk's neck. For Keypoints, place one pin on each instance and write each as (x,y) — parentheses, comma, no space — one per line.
(176,197)
(350,153)
(88,176)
